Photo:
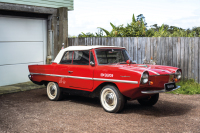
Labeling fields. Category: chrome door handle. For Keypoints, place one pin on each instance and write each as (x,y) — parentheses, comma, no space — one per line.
(70,71)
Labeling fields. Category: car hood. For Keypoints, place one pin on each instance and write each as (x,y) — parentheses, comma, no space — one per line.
(152,69)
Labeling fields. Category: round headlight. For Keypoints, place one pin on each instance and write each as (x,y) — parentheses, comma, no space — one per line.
(144,78)
(178,74)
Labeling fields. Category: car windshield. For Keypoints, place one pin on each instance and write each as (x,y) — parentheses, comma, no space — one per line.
(110,56)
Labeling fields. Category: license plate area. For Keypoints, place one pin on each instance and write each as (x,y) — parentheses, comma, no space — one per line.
(170,86)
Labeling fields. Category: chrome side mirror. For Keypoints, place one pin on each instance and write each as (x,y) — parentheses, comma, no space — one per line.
(92,63)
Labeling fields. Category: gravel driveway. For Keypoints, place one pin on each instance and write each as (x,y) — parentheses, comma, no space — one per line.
(31,111)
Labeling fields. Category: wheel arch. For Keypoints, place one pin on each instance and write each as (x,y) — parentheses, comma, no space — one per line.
(45,82)
(97,90)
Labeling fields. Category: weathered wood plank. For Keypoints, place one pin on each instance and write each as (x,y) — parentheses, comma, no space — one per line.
(192,58)
(93,40)
(96,41)
(88,41)
(199,58)
(135,52)
(85,40)
(100,41)
(112,41)
(162,47)
(189,58)
(116,41)
(108,41)
(76,42)
(178,52)
(148,49)
(182,55)
(158,52)
(170,52)
(196,59)
(139,52)
(155,58)
(104,41)
(120,41)
(143,49)
(151,46)
(165,50)
(125,42)
(131,42)
(174,43)
(186,57)
(69,44)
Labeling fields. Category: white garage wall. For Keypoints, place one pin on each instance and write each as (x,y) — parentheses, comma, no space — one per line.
(22,42)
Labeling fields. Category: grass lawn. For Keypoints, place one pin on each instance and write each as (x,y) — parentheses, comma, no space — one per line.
(187,87)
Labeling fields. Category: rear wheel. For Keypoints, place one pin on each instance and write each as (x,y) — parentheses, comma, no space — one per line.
(53,91)
(111,99)
(149,101)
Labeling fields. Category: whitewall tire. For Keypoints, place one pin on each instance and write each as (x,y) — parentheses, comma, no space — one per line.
(111,99)
(54,92)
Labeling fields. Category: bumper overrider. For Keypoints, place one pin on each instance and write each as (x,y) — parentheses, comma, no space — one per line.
(159,91)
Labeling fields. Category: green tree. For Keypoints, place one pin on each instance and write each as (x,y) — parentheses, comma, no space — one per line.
(137,28)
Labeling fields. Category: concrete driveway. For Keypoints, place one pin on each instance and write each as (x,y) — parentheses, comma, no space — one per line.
(31,111)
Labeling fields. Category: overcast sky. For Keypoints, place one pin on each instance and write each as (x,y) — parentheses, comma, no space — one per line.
(90,14)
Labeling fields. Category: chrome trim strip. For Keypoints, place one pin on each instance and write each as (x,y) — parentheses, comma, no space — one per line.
(158,91)
(98,79)
(76,77)
(116,80)
(50,75)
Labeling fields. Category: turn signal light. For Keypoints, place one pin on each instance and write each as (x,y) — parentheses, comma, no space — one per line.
(175,79)
(150,83)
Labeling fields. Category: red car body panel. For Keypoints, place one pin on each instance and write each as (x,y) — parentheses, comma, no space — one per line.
(86,77)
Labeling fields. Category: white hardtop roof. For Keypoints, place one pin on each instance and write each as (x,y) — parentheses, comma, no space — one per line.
(73,48)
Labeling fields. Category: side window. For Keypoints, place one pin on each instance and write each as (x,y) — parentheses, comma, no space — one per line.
(67,58)
(81,58)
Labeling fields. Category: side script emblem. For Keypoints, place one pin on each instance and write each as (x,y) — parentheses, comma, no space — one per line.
(106,75)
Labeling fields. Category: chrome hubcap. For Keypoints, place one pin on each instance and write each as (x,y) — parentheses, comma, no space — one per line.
(110,99)
(52,90)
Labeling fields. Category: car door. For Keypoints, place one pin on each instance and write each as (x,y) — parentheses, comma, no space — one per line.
(61,69)
(81,72)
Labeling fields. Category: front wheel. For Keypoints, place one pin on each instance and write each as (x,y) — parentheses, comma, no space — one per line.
(53,91)
(111,99)
(149,101)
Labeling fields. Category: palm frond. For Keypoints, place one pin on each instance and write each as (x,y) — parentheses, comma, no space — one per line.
(113,26)
(107,33)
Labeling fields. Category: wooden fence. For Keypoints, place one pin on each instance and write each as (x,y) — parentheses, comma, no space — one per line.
(182,52)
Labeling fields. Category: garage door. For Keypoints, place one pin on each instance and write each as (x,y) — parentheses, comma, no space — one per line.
(22,42)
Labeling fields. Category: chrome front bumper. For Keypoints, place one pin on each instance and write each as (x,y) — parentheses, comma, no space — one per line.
(158,91)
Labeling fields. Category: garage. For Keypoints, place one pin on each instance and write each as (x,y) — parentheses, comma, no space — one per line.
(23,41)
